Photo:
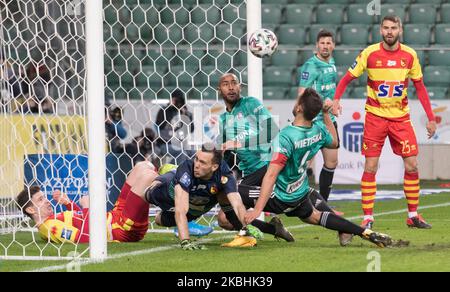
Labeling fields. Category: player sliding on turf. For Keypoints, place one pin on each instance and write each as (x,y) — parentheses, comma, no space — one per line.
(247,127)
(294,146)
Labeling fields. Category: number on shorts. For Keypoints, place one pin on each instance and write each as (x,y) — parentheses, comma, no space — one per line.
(406,148)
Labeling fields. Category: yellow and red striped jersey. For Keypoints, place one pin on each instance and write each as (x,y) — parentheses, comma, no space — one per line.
(70,226)
(388,76)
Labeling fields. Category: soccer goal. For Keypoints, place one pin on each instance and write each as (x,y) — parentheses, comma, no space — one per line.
(66,67)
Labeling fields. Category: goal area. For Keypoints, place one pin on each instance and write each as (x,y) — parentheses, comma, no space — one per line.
(85,91)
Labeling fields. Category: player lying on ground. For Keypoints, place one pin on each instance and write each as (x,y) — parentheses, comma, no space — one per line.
(127,222)
(193,189)
(294,146)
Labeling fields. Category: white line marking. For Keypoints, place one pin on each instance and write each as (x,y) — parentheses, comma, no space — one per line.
(84,262)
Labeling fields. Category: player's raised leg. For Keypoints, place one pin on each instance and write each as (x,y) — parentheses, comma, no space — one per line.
(334,222)
(132,179)
(330,157)
(130,218)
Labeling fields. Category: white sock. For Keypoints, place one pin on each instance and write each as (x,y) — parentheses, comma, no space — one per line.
(368,217)
(412,214)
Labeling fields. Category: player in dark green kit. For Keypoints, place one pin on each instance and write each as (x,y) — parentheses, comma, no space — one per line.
(285,187)
(247,127)
(319,72)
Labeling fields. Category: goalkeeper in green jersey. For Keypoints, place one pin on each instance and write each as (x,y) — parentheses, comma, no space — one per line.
(285,187)
(319,72)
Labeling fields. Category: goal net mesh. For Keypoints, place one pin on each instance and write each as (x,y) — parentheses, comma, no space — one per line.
(163,60)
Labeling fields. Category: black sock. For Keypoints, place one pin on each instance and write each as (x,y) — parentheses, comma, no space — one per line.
(234,220)
(325,182)
(334,222)
(319,202)
(264,226)
(261,225)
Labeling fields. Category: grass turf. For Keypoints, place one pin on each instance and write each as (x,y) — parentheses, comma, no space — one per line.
(315,249)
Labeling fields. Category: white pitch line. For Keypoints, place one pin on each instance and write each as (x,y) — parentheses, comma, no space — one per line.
(83,262)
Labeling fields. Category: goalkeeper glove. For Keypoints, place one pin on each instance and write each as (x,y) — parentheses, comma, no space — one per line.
(187,244)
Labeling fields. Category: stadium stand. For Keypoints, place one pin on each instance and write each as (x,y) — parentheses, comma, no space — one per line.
(296,23)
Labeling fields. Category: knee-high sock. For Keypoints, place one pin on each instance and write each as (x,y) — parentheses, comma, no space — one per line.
(261,225)
(334,222)
(319,202)
(411,188)
(368,191)
(325,182)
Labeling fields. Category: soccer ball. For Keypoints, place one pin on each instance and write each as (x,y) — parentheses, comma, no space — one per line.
(263,43)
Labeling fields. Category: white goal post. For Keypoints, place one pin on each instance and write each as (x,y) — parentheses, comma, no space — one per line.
(67,66)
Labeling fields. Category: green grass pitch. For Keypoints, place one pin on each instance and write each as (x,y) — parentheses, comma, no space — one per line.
(315,249)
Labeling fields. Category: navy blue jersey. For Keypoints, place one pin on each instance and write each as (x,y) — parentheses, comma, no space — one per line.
(202,193)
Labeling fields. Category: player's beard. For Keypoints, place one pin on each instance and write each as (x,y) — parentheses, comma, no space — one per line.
(391,42)
(325,54)
(232,100)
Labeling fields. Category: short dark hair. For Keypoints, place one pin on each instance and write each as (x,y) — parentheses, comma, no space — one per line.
(178,95)
(23,199)
(217,153)
(393,18)
(311,102)
(323,33)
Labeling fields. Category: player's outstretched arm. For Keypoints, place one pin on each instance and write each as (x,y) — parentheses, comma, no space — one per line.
(238,206)
(62,199)
(266,190)
(181,210)
(342,86)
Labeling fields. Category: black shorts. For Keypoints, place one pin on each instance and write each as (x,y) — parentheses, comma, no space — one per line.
(302,208)
(158,195)
(255,178)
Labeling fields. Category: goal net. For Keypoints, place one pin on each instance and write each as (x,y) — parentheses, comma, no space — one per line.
(162,63)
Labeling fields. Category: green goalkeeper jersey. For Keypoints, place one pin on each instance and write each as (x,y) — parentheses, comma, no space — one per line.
(298,144)
(243,124)
(321,76)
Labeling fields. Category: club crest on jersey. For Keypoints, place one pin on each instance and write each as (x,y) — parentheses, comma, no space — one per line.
(240,116)
(403,62)
(391,89)
(224,180)
(379,63)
